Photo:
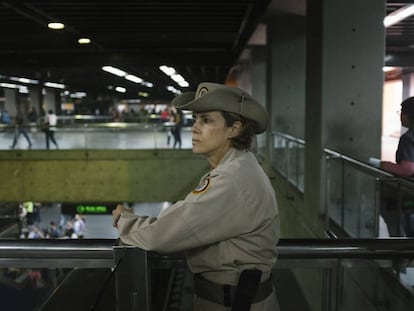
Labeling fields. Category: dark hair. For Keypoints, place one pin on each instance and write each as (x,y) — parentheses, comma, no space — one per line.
(407,108)
(248,131)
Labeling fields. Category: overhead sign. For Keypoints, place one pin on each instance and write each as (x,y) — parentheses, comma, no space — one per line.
(87,208)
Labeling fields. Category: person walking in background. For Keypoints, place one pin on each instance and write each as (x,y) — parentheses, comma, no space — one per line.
(178,119)
(51,121)
(228,225)
(19,128)
(79,226)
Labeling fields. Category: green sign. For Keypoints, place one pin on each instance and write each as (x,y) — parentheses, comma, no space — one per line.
(91,209)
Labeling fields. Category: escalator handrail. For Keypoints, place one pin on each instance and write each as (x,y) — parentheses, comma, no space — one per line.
(92,249)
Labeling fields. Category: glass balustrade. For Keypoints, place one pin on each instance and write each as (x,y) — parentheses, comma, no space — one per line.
(362,200)
(311,274)
(288,158)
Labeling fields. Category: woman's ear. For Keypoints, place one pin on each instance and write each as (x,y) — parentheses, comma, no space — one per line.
(236,129)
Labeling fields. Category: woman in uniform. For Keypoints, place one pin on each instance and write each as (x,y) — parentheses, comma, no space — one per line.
(228,225)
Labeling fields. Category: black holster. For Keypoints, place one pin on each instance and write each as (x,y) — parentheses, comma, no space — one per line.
(249,290)
(246,290)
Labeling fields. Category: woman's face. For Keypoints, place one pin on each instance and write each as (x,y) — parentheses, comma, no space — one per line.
(211,135)
(405,120)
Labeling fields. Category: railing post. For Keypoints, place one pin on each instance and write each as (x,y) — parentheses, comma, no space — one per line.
(132,279)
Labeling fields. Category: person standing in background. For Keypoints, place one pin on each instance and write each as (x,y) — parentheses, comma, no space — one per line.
(19,128)
(51,120)
(404,156)
(178,119)
(400,219)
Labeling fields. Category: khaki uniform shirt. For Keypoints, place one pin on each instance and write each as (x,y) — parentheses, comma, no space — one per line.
(228,223)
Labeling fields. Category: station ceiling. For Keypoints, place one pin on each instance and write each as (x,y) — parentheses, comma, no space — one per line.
(201,39)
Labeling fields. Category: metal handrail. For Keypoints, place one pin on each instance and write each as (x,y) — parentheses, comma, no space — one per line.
(100,253)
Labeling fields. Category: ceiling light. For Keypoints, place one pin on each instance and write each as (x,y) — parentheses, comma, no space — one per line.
(173,90)
(24,80)
(148,84)
(173,74)
(9,85)
(84,41)
(114,71)
(133,101)
(55,85)
(56,26)
(177,78)
(167,70)
(134,78)
(143,94)
(78,94)
(21,88)
(183,83)
(120,89)
(398,15)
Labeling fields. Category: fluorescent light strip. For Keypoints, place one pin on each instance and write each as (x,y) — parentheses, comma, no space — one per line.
(78,95)
(174,75)
(56,26)
(398,15)
(22,88)
(24,80)
(121,73)
(134,78)
(9,85)
(55,85)
(169,71)
(120,89)
(84,41)
(114,71)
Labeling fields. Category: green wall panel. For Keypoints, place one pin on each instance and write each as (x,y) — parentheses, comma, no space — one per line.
(99,175)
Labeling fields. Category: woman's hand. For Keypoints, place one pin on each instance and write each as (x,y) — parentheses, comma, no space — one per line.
(117,213)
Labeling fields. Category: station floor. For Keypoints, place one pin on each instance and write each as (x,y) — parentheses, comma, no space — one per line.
(91,138)
(97,226)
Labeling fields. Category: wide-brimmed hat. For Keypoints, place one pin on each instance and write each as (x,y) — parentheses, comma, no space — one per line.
(213,96)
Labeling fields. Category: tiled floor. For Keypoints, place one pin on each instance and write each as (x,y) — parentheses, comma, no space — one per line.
(89,138)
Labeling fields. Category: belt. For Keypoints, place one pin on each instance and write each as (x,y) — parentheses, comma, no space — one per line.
(223,294)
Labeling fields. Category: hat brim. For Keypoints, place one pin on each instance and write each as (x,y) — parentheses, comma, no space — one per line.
(225,99)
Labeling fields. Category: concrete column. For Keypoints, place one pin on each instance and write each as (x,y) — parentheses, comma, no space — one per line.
(36,98)
(52,100)
(11,100)
(286,40)
(258,87)
(344,81)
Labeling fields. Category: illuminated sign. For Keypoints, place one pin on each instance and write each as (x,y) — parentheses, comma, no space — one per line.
(87,208)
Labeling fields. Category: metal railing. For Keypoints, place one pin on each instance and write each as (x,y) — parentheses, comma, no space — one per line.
(288,158)
(131,265)
(362,200)
(366,201)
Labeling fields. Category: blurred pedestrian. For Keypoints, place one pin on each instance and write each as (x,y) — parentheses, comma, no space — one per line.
(19,128)
(51,121)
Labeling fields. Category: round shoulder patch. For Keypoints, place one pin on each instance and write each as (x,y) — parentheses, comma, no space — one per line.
(202,186)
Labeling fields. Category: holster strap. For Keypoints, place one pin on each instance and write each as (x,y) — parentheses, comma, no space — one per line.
(223,294)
